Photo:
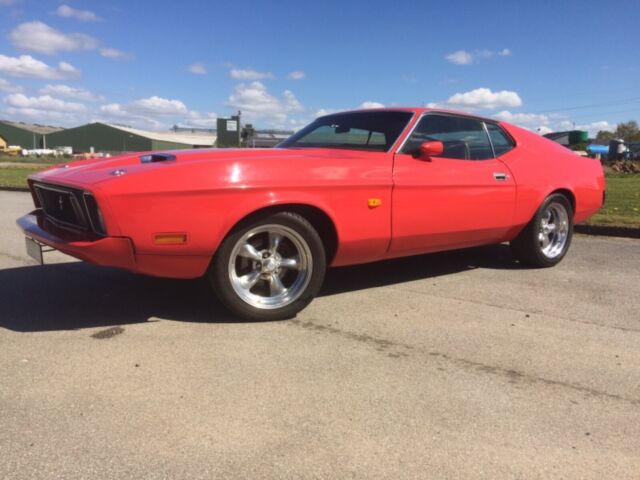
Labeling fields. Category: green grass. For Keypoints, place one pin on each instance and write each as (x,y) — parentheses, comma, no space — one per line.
(16,176)
(622,207)
(48,160)
(623,202)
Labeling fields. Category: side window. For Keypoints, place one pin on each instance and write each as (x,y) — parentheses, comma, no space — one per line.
(463,138)
(501,142)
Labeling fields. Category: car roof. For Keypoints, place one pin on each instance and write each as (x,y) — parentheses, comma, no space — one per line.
(419,111)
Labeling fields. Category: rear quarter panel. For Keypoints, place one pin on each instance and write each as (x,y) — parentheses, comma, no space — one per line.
(541,166)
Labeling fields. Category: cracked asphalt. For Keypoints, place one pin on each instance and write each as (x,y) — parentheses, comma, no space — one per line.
(454,365)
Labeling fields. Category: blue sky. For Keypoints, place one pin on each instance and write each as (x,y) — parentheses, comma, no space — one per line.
(152,64)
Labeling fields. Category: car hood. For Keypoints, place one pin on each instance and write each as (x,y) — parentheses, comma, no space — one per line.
(87,173)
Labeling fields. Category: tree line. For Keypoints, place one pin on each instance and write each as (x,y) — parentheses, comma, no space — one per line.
(628,131)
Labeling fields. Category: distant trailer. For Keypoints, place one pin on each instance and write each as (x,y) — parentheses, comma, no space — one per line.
(595,149)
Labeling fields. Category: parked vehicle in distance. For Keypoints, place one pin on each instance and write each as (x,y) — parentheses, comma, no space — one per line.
(352,187)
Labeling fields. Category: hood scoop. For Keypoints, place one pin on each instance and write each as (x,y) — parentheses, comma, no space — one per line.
(157,157)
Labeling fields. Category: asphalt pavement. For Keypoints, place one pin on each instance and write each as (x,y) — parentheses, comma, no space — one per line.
(452,365)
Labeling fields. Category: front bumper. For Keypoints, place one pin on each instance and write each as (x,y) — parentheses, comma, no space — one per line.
(106,251)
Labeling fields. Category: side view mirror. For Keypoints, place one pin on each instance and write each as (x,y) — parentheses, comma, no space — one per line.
(430,149)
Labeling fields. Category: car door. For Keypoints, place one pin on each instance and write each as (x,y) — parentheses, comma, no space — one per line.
(464,197)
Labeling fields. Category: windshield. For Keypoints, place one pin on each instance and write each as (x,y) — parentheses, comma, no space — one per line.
(372,131)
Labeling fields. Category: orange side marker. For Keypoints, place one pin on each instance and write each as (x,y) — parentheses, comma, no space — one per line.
(170,238)
(374,202)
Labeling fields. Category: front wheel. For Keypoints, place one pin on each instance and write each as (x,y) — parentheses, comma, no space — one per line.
(547,237)
(269,269)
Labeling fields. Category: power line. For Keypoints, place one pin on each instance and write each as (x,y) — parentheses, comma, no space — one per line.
(593,105)
(608,113)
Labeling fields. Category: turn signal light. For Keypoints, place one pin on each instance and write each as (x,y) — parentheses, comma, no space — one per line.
(170,238)
(374,202)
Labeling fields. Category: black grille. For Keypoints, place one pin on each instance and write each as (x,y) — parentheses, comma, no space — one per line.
(93,212)
(62,204)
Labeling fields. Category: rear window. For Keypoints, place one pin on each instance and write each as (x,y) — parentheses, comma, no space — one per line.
(501,142)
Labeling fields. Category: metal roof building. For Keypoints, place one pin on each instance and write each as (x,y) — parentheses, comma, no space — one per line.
(103,137)
(25,135)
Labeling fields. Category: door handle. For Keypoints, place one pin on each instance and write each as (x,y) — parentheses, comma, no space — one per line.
(500,176)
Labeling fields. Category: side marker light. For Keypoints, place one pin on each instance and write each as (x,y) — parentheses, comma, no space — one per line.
(170,238)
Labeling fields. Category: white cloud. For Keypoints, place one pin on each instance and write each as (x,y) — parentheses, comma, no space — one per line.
(484,98)
(43,102)
(249,74)
(113,108)
(461,57)
(198,68)
(594,127)
(8,87)
(484,53)
(117,113)
(40,37)
(370,104)
(525,119)
(158,106)
(68,70)
(325,111)
(543,130)
(156,113)
(66,11)
(256,103)
(54,117)
(70,92)
(296,75)
(543,124)
(201,120)
(114,53)
(25,66)
(537,122)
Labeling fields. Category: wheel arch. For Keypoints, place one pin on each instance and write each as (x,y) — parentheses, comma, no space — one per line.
(318,218)
(569,195)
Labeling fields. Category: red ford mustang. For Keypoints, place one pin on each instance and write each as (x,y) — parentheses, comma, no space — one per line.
(349,188)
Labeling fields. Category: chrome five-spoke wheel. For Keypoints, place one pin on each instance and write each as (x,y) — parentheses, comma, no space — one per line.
(547,237)
(554,229)
(269,268)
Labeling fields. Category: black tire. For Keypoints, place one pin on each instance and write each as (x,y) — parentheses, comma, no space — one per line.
(529,247)
(298,261)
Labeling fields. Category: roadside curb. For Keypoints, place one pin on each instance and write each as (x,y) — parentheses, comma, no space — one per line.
(608,231)
(14,189)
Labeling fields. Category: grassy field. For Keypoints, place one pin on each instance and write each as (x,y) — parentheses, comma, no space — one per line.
(622,207)
(44,160)
(16,176)
(623,202)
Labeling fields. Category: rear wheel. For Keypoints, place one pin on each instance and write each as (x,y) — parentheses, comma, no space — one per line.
(546,239)
(269,269)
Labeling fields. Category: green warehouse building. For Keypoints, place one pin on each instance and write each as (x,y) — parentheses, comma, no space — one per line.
(24,135)
(102,137)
